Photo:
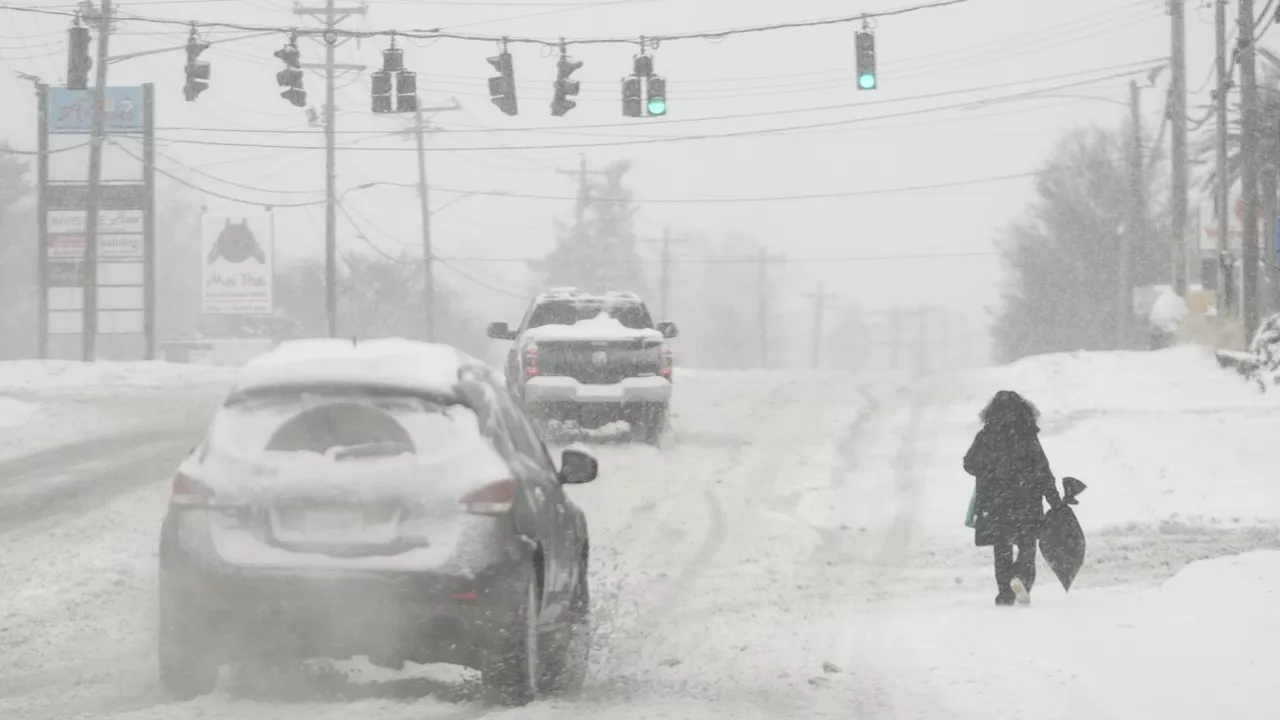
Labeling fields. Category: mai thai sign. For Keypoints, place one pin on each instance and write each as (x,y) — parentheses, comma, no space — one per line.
(238,260)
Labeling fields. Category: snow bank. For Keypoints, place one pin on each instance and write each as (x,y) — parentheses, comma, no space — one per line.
(14,413)
(45,403)
(60,376)
(1168,312)
(1202,645)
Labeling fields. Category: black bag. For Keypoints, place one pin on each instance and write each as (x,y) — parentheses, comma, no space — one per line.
(1061,539)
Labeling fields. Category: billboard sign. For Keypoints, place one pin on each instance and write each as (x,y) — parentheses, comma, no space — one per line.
(71,111)
(110,247)
(72,222)
(238,260)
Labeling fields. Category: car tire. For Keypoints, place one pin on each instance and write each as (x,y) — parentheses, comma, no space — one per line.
(566,662)
(652,424)
(512,665)
(188,667)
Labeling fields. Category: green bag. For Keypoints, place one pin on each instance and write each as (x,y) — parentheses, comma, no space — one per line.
(971,517)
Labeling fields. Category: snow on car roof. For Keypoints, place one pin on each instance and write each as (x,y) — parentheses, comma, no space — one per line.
(385,362)
(600,327)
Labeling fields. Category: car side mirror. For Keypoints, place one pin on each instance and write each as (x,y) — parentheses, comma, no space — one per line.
(500,331)
(577,467)
(668,329)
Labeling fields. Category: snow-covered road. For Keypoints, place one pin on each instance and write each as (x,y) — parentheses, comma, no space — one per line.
(797,551)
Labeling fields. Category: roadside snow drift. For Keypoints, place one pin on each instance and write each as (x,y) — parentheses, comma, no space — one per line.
(46,403)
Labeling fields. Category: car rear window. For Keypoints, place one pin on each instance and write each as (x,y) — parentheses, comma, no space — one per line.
(343,425)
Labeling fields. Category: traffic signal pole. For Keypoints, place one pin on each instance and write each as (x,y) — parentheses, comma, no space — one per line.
(1249,157)
(332,16)
(330,176)
(1178,111)
(89,304)
(428,255)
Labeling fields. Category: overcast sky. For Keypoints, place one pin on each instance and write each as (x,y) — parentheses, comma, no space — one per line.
(924,59)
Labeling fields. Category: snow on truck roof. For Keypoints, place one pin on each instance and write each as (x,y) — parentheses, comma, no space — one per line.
(384,362)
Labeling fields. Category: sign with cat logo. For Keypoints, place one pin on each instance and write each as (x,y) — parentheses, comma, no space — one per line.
(239,264)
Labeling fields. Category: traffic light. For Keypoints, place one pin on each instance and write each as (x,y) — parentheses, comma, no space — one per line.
(502,87)
(406,91)
(79,61)
(656,102)
(381,91)
(866,49)
(632,103)
(564,87)
(197,70)
(291,77)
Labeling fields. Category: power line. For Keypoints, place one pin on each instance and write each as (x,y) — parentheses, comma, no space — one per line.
(771,259)
(1132,67)
(680,138)
(651,41)
(769,198)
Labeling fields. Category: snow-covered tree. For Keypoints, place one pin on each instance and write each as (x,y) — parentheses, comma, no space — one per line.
(1063,257)
(377,297)
(597,251)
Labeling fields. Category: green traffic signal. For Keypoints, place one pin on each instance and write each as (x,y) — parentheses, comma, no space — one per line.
(867,81)
(657,106)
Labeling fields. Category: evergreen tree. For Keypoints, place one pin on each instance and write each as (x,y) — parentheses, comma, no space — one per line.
(597,252)
(1063,256)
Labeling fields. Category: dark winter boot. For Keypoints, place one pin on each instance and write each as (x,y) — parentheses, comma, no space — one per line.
(1005,599)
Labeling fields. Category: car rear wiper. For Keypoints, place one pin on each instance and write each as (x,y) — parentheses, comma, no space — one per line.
(374,449)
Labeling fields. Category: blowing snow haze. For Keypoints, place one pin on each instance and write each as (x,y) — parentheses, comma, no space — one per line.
(637,358)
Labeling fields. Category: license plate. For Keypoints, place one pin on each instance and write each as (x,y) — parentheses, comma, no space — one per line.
(328,522)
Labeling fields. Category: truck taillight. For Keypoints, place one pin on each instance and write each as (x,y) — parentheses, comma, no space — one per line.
(668,362)
(531,361)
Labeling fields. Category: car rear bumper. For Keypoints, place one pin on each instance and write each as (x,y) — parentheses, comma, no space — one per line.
(554,389)
(423,616)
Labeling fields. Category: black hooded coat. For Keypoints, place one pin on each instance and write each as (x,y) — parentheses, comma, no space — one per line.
(1011,471)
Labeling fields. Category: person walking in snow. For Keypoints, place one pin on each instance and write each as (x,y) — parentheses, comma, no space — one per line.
(1013,478)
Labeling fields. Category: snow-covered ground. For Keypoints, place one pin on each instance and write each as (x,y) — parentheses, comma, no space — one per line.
(797,551)
(44,404)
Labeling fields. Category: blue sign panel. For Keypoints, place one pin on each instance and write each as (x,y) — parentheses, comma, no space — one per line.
(71,111)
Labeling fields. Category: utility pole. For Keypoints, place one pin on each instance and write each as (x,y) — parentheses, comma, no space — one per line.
(97,138)
(1222,190)
(332,16)
(821,303)
(1178,142)
(428,256)
(584,189)
(1137,222)
(665,282)
(763,258)
(1249,178)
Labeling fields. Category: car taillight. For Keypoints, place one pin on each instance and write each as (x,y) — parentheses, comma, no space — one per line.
(531,361)
(190,492)
(495,499)
(668,362)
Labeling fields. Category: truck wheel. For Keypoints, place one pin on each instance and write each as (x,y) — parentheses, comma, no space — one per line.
(565,666)
(188,665)
(651,425)
(511,666)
